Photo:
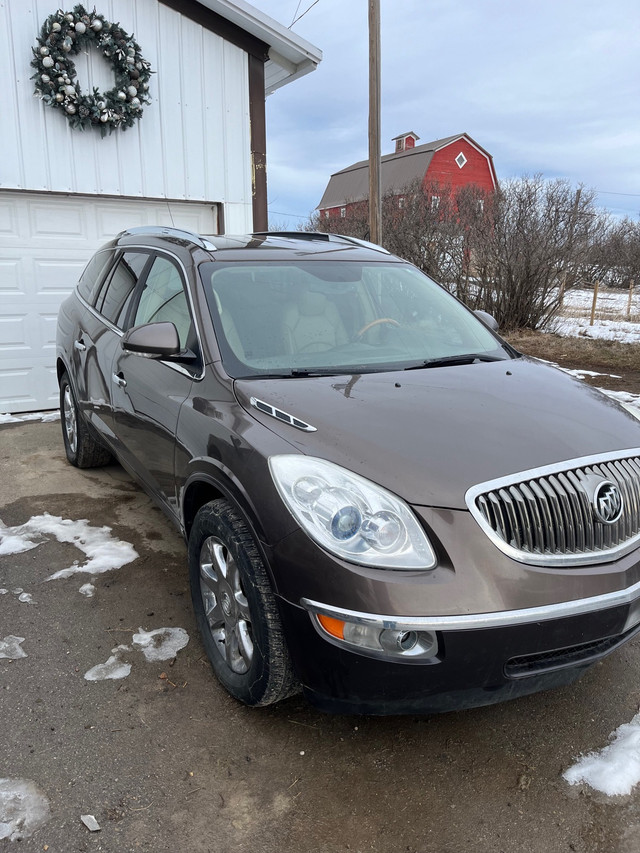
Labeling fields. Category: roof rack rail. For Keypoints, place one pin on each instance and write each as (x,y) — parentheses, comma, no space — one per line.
(171,232)
(325,236)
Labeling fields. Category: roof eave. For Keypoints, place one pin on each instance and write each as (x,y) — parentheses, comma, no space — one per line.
(290,56)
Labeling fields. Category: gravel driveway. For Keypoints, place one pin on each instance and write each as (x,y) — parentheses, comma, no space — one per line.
(165,761)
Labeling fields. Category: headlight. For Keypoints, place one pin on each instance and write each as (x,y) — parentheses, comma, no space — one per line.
(350,516)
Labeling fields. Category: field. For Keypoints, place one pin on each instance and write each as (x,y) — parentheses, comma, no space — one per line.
(607,354)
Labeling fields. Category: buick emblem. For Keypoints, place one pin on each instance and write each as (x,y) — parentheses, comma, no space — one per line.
(607,502)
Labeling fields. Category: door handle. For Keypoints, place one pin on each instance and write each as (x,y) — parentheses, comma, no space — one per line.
(119,379)
(80,345)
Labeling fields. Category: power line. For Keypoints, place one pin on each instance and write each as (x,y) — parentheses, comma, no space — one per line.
(610,192)
(295,20)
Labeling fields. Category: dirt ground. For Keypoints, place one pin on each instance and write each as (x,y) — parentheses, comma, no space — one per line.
(166,761)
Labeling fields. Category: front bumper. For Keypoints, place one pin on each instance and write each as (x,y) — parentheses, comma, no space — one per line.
(481,659)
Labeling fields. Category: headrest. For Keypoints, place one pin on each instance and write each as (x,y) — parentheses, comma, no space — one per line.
(312,303)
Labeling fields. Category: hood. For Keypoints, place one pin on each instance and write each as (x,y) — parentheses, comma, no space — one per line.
(429,435)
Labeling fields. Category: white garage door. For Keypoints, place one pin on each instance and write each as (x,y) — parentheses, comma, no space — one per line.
(45,241)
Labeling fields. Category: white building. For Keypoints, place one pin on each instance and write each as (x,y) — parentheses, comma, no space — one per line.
(195,159)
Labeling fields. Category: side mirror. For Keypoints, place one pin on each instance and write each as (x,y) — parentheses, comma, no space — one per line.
(153,339)
(488,320)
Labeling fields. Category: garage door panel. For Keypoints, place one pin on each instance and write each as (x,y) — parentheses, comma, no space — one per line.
(45,241)
(57,277)
(13,333)
(110,221)
(69,224)
(8,220)
(11,276)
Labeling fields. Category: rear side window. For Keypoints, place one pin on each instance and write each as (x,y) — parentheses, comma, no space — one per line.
(92,276)
(119,290)
(163,299)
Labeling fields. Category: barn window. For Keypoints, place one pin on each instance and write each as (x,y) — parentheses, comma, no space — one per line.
(401,202)
(435,202)
(343,212)
(461,160)
(326,214)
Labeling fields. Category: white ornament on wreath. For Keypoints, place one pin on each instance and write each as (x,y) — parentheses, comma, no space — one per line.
(65,34)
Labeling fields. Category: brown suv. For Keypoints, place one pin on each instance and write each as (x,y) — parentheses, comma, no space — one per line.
(383,502)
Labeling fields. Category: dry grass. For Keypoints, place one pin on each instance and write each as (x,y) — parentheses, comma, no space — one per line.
(611,304)
(588,354)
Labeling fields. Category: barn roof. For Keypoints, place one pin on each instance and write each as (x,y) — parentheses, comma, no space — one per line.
(397,170)
(290,56)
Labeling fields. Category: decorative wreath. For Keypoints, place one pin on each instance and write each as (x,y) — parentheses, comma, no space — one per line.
(65,34)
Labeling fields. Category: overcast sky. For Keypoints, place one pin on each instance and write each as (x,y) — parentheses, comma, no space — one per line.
(550,86)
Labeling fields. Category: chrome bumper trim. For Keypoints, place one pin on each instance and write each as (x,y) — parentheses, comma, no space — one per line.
(498,619)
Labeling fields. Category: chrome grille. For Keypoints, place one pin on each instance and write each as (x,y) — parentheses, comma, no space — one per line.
(546,515)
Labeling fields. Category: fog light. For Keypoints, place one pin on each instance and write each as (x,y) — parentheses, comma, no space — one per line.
(398,641)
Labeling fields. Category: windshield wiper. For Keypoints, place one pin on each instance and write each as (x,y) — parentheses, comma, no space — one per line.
(466,358)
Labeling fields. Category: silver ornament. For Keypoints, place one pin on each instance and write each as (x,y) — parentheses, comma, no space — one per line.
(81,28)
(96,25)
(70,109)
(45,78)
(47,62)
(55,27)
(67,44)
(135,103)
(131,90)
(69,18)
(131,51)
(44,51)
(104,117)
(101,105)
(130,60)
(59,97)
(61,80)
(69,90)
(122,96)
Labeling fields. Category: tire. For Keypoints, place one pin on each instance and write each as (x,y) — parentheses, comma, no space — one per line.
(236,609)
(82,449)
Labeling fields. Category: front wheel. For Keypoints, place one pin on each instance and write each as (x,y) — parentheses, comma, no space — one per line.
(235,608)
(82,449)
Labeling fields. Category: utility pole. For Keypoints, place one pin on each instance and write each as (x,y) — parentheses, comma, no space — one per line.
(375,204)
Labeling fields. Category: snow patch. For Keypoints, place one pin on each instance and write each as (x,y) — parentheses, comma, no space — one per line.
(615,770)
(23,809)
(87,589)
(104,552)
(610,330)
(45,417)
(161,644)
(25,598)
(10,648)
(113,668)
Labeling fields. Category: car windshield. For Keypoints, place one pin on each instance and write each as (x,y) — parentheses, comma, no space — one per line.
(318,316)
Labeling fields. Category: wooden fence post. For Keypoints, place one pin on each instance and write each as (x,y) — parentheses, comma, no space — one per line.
(595,299)
(630,298)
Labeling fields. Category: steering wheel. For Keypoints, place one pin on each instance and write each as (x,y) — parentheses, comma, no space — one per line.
(377,322)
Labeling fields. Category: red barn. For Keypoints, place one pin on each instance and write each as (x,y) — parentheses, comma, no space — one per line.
(454,162)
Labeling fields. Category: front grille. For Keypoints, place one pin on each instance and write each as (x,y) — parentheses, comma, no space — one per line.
(547,515)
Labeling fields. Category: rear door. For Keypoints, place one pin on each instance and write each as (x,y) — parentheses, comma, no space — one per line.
(99,335)
(147,393)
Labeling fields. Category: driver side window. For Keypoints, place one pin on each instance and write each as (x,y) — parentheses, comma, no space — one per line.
(163,299)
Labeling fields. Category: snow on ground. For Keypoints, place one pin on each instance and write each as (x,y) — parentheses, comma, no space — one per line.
(113,668)
(611,330)
(104,552)
(615,770)
(23,809)
(10,649)
(161,644)
(45,417)
(87,589)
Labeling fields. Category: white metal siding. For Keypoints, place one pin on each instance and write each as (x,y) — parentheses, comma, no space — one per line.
(46,240)
(193,141)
